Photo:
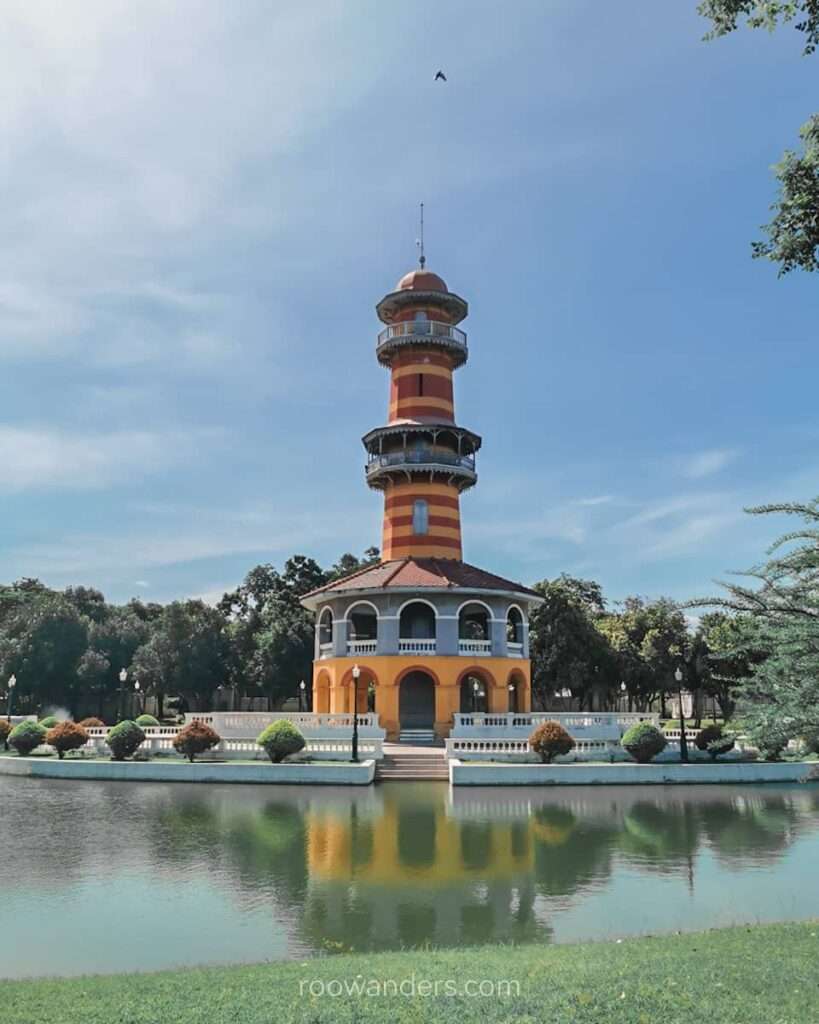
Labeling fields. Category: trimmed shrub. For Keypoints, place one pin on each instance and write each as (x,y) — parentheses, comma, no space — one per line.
(92,723)
(146,721)
(124,740)
(195,738)
(644,742)
(27,736)
(280,739)
(5,729)
(550,740)
(771,747)
(66,736)
(712,740)
(49,721)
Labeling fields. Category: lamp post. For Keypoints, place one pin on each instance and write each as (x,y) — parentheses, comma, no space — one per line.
(511,700)
(137,695)
(10,703)
(623,689)
(678,676)
(356,674)
(123,679)
(302,695)
(474,695)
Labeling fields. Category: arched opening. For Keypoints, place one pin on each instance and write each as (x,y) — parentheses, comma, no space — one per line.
(474,694)
(514,691)
(514,629)
(321,695)
(325,630)
(473,629)
(416,628)
(416,701)
(362,629)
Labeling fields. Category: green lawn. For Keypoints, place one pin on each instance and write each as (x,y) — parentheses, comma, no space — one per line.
(743,975)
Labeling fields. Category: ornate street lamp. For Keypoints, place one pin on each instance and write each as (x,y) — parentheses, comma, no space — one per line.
(302,688)
(475,688)
(137,695)
(11,684)
(512,700)
(123,678)
(356,674)
(678,676)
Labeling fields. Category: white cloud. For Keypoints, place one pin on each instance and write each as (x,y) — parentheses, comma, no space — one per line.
(708,462)
(46,459)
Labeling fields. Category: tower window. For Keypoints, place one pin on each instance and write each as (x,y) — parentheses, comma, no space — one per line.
(420,385)
(420,517)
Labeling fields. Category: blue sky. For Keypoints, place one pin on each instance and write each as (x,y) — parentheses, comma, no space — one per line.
(204,201)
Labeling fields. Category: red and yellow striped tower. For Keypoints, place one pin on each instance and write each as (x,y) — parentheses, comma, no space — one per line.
(421,459)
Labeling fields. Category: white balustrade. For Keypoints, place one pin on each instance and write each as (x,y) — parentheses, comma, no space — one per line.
(361,647)
(598,725)
(326,650)
(514,650)
(479,647)
(417,646)
(474,749)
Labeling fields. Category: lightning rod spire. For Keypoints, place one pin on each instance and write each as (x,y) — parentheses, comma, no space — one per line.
(420,241)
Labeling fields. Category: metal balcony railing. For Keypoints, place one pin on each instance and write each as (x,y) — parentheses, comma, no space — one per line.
(421,457)
(414,331)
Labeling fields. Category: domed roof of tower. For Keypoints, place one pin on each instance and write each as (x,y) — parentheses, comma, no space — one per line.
(421,280)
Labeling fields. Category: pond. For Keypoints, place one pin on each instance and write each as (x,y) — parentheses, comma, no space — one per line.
(102,877)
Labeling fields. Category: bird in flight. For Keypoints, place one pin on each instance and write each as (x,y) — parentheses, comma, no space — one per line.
(440,75)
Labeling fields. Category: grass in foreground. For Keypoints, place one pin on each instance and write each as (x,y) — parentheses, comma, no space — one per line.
(732,976)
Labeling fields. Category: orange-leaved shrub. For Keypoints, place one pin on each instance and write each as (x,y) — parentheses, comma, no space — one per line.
(550,740)
(66,736)
(195,738)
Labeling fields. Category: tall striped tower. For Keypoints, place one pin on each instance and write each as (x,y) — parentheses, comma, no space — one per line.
(421,459)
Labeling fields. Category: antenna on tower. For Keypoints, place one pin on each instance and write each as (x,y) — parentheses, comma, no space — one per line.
(420,241)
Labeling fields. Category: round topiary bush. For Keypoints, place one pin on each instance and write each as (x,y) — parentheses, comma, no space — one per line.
(280,739)
(27,736)
(146,721)
(5,729)
(712,740)
(550,740)
(49,721)
(124,740)
(644,742)
(66,736)
(195,738)
(92,723)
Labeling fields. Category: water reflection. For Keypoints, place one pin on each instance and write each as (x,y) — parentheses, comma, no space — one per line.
(226,874)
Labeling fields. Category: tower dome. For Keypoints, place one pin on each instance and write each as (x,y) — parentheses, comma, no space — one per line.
(421,280)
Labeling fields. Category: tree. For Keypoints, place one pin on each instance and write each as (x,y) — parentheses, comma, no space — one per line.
(779,615)
(567,651)
(42,641)
(793,233)
(188,653)
(650,639)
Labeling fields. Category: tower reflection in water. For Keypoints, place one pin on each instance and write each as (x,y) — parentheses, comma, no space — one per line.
(409,865)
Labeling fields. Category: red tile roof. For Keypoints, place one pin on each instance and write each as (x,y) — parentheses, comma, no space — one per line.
(446,573)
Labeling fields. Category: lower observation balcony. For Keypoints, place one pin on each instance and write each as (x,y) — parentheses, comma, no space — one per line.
(461,468)
(422,332)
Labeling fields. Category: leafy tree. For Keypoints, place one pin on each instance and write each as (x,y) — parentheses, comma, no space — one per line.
(567,651)
(188,653)
(42,641)
(650,639)
(793,233)
(780,610)
(726,14)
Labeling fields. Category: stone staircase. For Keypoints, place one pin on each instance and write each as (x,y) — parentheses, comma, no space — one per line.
(405,763)
(418,737)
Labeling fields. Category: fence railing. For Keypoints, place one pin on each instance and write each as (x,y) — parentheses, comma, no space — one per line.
(479,647)
(417,646)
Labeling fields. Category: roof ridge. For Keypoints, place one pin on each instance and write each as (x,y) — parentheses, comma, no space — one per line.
(341,579)
(400,563)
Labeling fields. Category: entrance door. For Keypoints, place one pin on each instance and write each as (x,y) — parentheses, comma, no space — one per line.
(416,701)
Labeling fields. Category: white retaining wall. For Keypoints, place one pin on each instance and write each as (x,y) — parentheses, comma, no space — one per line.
(603,725)
(289,773)
(698,773)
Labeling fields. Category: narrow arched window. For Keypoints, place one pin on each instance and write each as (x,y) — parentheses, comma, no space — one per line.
(420,517)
